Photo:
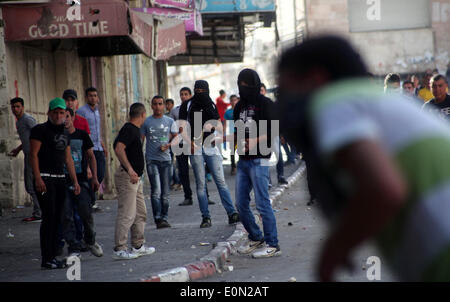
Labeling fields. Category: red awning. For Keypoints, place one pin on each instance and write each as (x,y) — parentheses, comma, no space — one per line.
(171,39)
(108,27)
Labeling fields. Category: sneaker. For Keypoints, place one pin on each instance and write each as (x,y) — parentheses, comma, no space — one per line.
(206,223)
(211,202)
(96,208)
(233,219)
(282,181)
(249,246)
(186,202)
(124,255)
(32,219)
(75,254)
(161,224)
(310,202)
(96,249)
(267,251)
(54,264)
(143,250)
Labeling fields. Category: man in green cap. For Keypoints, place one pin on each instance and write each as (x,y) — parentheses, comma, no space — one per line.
(49,152)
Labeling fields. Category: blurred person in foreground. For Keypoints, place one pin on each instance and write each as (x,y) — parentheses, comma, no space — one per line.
(375,179)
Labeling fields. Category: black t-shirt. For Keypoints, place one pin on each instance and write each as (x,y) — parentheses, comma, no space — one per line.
(55,140)
(260,110)
(80,142)
(130,136)
(442,108)
(208,112)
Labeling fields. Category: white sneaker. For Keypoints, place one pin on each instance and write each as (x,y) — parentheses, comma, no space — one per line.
(249,246)
(124,255)
(143,250)
(96,249)
(267,251)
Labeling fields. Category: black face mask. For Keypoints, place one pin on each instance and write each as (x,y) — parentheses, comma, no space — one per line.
(292,114)
(247,93)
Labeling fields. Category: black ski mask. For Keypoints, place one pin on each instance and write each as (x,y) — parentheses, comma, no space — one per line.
(249,94)
(201,97)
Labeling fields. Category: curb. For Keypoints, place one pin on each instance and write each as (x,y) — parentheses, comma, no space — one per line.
(215,261)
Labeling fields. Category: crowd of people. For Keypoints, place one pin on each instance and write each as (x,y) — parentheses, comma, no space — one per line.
(65,161)
(376,161)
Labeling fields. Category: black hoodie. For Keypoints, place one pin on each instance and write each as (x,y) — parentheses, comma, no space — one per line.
(254,106)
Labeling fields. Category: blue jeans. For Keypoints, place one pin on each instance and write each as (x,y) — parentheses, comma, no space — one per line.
(214,163)
(159,176)
(252,175)
(101,165)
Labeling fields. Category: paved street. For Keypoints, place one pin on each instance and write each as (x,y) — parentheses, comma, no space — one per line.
(301,231)
(181,244)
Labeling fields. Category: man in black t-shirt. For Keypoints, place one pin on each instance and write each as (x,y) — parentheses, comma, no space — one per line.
(81,147)
(203,149)
(253,167)
(440,104)
(132,212)
(49,151)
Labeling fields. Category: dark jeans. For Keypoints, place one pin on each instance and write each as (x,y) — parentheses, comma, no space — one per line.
(100,158)
(83,206)
(183,168)
(51,204)
(158,174)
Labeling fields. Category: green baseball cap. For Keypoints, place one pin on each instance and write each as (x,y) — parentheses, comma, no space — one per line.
(57,103)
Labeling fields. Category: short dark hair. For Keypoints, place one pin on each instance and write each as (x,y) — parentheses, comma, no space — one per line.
(186,89)
(222,92)
(136,110)
(407,82)
(90,89)
(156,97)
(233,96)
(70,111)
(391,78)
(263,85)
(438,77)
(170,101)
(17,100)
(332,53)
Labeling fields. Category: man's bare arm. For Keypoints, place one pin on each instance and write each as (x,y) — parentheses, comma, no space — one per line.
(380,192)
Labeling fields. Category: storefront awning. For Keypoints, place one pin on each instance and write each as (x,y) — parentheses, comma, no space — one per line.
(101,27)
(171,39)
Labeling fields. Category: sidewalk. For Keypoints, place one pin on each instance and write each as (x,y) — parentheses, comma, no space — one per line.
(184,243)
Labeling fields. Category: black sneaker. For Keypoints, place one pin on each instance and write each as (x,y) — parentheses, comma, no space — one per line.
(282,181)
(310,202)
(206,223)
(233,218)
(186,202)
(54,264)
(211,202)
(162,224)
